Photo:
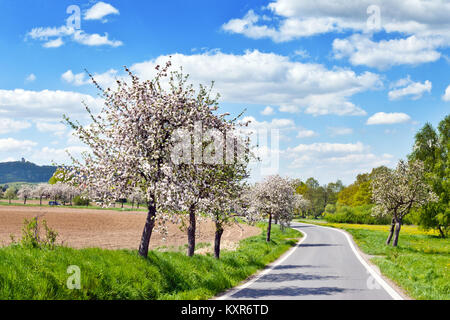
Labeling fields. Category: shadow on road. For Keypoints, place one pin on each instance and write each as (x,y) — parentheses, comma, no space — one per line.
(320,245)
(295,266)
(288,291)
(281,277)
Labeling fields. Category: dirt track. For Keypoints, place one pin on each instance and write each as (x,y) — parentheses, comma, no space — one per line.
(82,228)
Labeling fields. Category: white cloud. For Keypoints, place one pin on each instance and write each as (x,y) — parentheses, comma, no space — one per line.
(45,104)
(9,125)
(52,127)
(388,118)
(13,145)
(99,11)
(446,96)
(75,79)
(407,88)
(305,133)
(362,50)
(281,127)
(95,39)
(268,78)
(419,27)
(268,111)
(47,155)
(339,131)
(331,161)
(43,33)
(325,147)
(56,43)
(289,29)
(295,19)
(303,54)
(30,78)
(53,37)
(275,123)
(106,79)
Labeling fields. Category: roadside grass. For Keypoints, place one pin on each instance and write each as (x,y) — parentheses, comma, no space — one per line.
(420,264)
(123,274)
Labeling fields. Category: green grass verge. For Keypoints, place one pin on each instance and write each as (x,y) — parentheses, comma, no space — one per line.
(123,274)
(420,264)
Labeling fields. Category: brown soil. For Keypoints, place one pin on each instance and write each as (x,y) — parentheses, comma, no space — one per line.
(82,228)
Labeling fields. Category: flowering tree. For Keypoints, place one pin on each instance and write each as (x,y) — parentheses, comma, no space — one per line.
(42,190)
(56,191)
(274,198)
(25,192)
(132,139)
(68,192)
(397,191)
(301,204)
(224,204)
(136,196)
(209,179)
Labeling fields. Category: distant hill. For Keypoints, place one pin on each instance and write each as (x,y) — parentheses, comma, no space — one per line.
(24,171)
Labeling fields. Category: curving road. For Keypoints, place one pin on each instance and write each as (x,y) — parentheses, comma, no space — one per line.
(323,266)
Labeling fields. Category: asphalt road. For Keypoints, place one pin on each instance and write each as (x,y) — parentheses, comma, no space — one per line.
(323,266)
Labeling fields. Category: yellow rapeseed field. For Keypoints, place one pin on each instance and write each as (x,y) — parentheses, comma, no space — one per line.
(412,230)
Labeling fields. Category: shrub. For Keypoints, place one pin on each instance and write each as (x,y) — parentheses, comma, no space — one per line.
(31,235)
(330,208)
(360,215)
(80,201)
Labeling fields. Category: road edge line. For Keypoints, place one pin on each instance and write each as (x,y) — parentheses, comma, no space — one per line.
(262,273)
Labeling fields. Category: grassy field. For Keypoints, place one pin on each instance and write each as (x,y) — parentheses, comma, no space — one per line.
(123,274)
(420,264)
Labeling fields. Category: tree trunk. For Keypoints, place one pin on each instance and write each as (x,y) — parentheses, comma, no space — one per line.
(191,231)
(276,221)
(441,232)
(40,201)
(36,230)
(397,232)
(269,227)
(219,232)
(148,228)
(391,232)
(25,201)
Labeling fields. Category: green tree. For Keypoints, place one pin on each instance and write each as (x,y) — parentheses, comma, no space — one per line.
(432,148)
(345,197)
(359,193)
(10,194)
(317,196)
(301,188)
(332,190)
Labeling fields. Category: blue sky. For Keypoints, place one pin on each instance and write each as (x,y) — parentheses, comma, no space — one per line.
(346,88)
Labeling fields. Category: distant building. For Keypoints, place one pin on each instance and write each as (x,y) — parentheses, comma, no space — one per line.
(23,159)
